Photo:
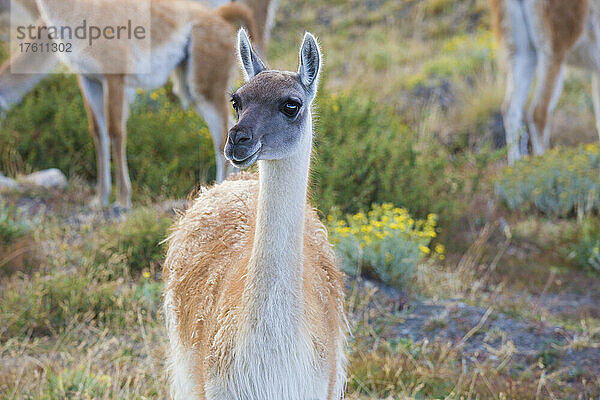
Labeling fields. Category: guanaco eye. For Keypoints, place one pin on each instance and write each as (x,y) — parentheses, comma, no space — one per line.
(291,108)
(236,107)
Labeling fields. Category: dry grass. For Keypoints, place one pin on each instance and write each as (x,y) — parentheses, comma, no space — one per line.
(115,348)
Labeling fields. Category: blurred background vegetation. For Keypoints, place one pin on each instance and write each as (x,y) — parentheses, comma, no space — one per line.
(409,175)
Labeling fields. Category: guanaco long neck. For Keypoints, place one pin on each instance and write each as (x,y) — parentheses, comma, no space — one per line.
(273,293)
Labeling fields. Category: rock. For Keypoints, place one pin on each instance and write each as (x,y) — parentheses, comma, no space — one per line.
(7,183)
(48,178)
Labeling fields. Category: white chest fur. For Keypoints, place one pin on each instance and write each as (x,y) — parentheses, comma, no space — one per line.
(272,367)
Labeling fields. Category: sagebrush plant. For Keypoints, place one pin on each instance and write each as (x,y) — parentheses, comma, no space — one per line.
(386,243)
(559,183)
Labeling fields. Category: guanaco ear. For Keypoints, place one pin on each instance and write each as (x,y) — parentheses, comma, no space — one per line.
(251,63)
(310,62)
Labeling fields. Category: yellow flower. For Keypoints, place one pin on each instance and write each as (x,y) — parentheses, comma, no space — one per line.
(424,249)
(439,248)
(146,274)
(359,217)
(596,250)
(154,96)
(591,148)
(399,218)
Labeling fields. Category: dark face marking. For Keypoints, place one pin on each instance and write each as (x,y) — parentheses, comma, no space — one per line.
(272,109)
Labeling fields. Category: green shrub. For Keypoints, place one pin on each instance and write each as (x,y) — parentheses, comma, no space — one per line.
(385,244)
(558,183)
(365,155)
(134,243)
(48,129)
(11,227)
(585,249)
(169,149)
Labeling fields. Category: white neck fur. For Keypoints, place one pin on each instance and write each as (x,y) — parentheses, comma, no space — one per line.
(274,282)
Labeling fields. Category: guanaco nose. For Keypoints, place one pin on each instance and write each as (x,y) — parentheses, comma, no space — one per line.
(239,136)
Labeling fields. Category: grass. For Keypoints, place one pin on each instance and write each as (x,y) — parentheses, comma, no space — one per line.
(84,328)
(110,343)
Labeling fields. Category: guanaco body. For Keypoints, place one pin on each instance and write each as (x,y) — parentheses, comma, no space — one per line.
(253,299)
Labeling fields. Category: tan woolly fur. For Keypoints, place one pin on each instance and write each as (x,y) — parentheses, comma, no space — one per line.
(254,303)
(205,270)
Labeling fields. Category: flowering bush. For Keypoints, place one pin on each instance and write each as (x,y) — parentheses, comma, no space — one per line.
(558,183)
(386,243)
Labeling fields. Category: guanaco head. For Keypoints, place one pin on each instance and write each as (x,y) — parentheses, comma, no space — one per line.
(273,107)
